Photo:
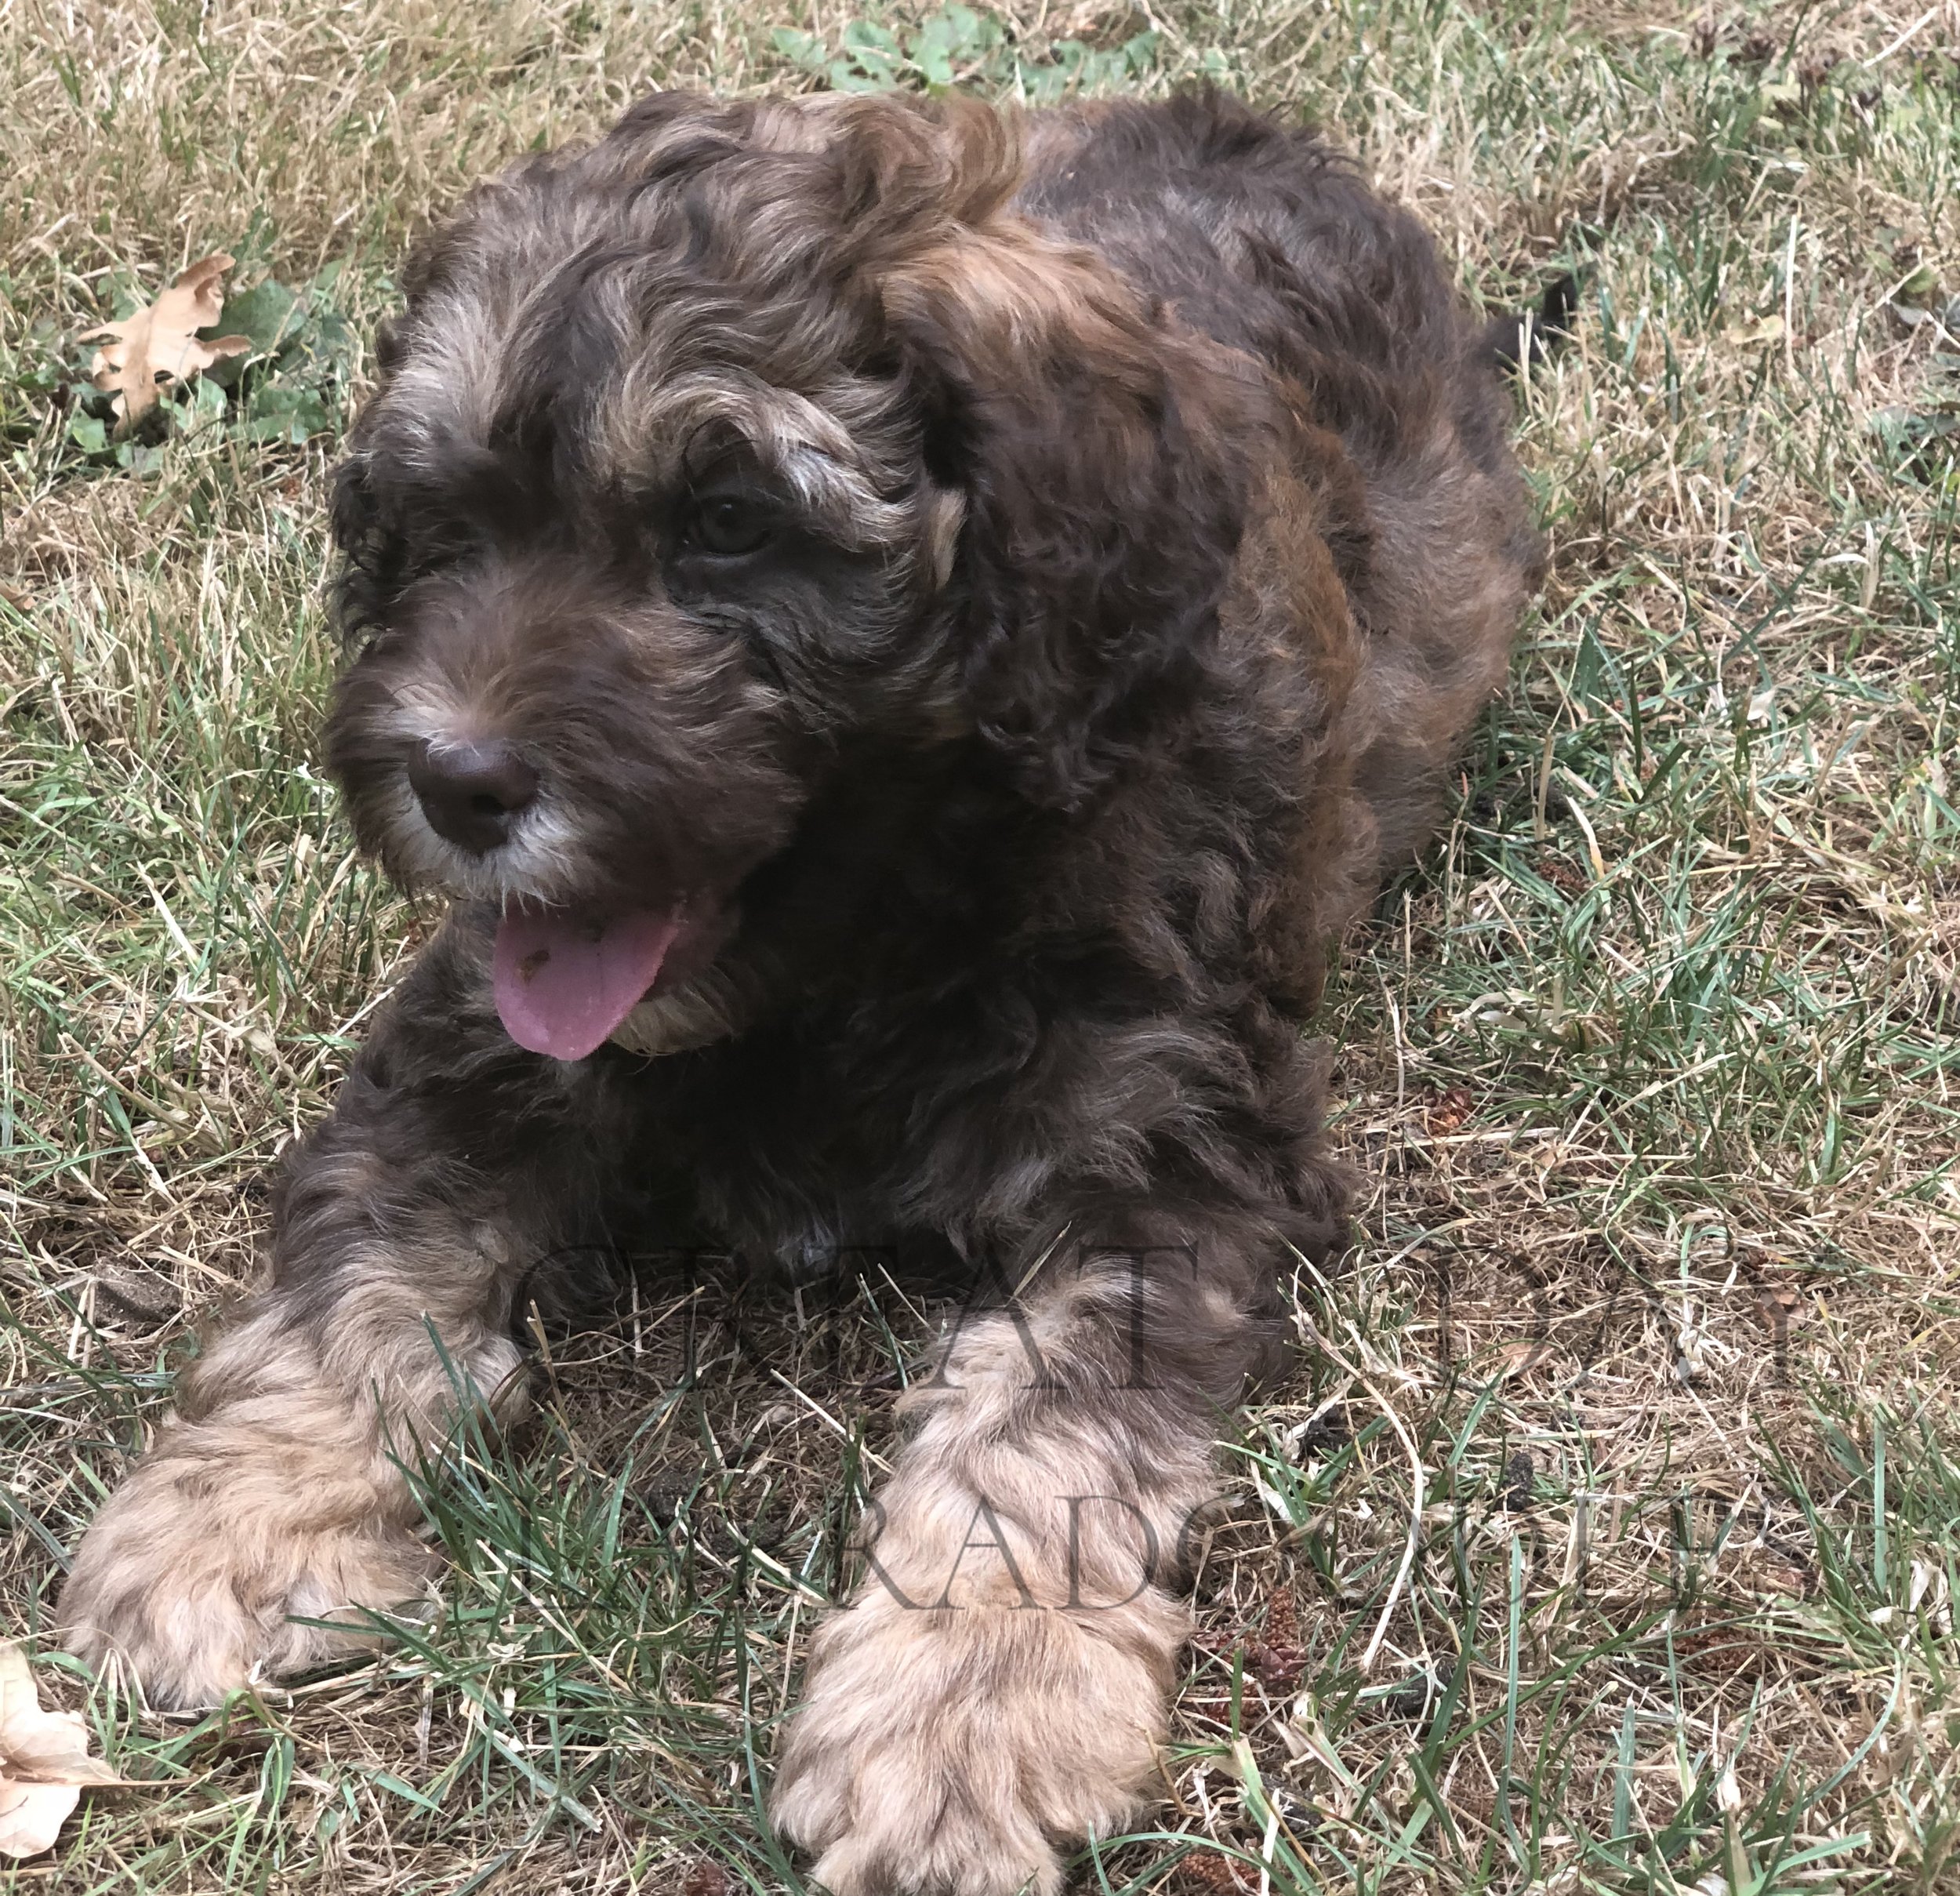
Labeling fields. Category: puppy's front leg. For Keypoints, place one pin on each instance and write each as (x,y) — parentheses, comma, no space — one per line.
(997,1687)
(273,1489)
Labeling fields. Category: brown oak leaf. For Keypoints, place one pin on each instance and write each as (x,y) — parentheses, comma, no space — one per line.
(44,1761)
(159,343)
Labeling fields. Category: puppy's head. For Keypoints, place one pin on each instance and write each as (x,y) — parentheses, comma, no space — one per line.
(705,459)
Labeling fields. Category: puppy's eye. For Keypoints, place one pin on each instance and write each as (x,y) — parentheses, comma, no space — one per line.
(729,526)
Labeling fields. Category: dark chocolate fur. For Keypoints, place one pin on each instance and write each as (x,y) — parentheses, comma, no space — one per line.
(1147,537)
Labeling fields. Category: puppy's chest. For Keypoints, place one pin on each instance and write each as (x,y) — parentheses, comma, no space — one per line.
(795,1166)
(817,1228)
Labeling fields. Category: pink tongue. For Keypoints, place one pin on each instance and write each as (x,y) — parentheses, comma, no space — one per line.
(563,984)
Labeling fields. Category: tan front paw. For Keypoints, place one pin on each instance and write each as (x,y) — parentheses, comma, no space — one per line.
(955,1751)
(193,1572)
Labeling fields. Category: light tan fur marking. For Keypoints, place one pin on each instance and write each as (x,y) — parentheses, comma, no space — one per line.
(997,1684)
(274,1491)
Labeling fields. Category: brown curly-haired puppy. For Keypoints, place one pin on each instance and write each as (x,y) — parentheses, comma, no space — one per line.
(907,632)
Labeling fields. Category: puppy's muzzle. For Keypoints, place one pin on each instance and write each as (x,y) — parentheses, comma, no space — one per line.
(472,794)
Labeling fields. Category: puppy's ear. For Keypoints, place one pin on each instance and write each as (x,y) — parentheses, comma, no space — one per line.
(1105,478)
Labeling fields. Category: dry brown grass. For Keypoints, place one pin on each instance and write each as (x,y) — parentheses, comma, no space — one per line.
(1648,1068)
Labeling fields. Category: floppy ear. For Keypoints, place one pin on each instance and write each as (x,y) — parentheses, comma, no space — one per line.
(1105,476)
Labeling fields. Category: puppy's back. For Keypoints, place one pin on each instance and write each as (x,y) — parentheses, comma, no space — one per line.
(1268,240)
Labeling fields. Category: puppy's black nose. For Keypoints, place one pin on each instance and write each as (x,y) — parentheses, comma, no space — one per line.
(471,794)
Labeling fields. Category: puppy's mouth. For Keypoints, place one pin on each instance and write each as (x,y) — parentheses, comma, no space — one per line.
(565,978)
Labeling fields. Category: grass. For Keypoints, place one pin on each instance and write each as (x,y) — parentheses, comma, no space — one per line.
(1647,1343)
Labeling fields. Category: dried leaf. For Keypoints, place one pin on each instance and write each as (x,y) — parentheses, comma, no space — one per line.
(44,1761)
(1778,1305)
(32,1816)
(1449,1111)
(1764,330)
(707,1879)
(159,344)
(1515,1358)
